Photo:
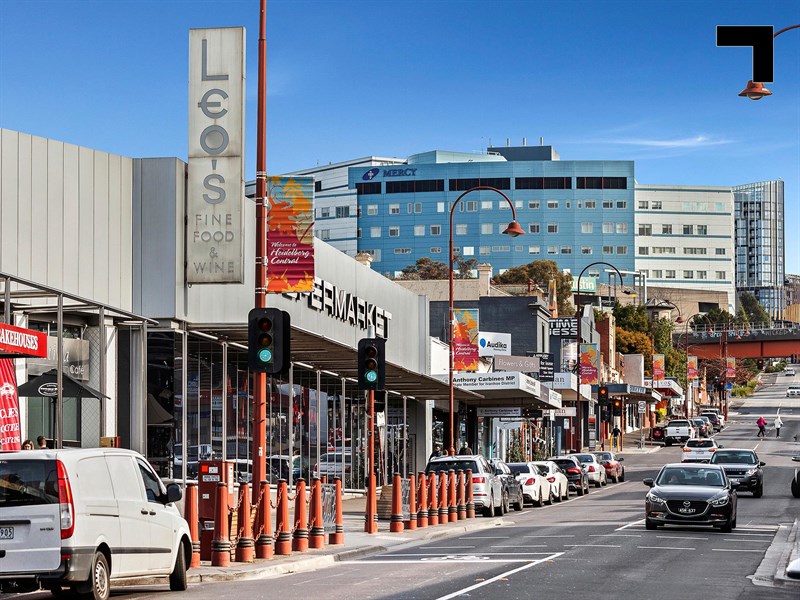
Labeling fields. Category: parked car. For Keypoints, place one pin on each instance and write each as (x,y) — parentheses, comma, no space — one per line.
(691,494)
(658,432)
(67,518)
(333,465)
(281,463)
(512,488)
(699,450)
(793,390)
(595,471)
(576,473)
(795,485)
(789,371)
(702,425)
(613,465)
(558,480)
(743,467)
(715,411)
(487,487)
(678,430)
(536,489)
(716,420)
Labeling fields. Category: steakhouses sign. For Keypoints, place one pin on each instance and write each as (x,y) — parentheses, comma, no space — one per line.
(16,342)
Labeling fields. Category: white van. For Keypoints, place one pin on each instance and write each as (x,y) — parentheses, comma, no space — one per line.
(80,518)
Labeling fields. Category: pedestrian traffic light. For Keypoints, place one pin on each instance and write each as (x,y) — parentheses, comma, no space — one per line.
(602,395)
(617,407)
(371,363)
(268,341)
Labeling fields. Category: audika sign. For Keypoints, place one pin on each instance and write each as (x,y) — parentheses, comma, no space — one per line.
(493,344)
(215,186)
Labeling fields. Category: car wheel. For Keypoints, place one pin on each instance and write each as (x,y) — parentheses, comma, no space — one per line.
(622,477)
(796,487)
(566,493)
(520,501)
(177,579)
(503,508)
(614,478)
(98,587)
(759,491)
(488,509)
(667,443)
(605,480)
(540,500)
(598,483)
(586,483)
(649,525)
(579,488)
(733,524)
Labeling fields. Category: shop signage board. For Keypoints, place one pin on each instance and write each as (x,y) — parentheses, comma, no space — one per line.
(567,411)
(465,339)
(494,344)
(16,342)
(523,364)
(564,327)
(642,407)
(215,186)
(546,365)
(75,361)
(290,234)
(499,411)
(565,381)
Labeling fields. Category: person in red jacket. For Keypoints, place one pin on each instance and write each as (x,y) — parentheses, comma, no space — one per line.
(762,425)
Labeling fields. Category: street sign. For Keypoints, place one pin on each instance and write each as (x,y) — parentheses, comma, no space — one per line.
(642,405)
(567,411)
(728,386)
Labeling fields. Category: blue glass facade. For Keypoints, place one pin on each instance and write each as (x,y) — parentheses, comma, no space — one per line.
(573,212)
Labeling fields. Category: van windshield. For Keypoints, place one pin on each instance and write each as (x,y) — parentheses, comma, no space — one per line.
(28,482)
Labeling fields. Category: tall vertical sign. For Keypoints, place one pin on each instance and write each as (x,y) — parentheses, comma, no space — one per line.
(465,339)
(215,188)
(10,438)
(691,367)
(730,367)
(290,234)
(590,364)
(658,367)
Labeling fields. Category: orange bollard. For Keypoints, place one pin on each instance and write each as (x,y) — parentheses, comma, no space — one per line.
(221,545)
(461,506)
(283,543)
(263,525)
(452,512)
(422,504)
(396,521)
(412,503)
(190,511)
(300,539)
(338,536)
(245,547)
(443,518)
(433,503)
(470,502)
(316,535)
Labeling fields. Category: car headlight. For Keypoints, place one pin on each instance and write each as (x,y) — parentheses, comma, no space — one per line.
(752,471)
(654,499)
(719,500)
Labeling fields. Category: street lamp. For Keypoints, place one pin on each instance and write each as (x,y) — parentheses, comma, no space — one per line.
(756,90)
(513,230)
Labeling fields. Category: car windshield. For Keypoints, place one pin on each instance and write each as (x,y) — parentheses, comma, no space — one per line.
(730,457)
(681,476)
(678,424)
(441,466)
(585,457)
(700,444)
(604,455)
(519,468)
(565,464)
(543,470)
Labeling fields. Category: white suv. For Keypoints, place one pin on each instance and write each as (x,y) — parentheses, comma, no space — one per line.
(793,390)
(78,518)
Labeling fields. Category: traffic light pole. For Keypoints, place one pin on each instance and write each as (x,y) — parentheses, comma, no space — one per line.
(370,518)
(260,379)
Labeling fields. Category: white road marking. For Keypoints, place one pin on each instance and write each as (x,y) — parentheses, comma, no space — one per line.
(663,548)
(522,546)
(639,522)
(486,537)
(438,564)
(734,550)
(743,539)
(590,546)
(451,547)
(680,537)
(615,535)
(547,536)
(488,553)
(499,577)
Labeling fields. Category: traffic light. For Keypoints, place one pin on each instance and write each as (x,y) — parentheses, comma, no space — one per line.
(371,363)
(268,341)
(617,407)
(602,395)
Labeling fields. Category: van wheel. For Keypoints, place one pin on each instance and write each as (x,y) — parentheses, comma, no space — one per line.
(98,587)
(177,579)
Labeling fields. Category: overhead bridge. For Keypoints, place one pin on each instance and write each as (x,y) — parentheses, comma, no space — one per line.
(775,341)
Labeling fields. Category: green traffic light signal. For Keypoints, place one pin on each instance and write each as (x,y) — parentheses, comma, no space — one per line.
(371,363)
(269,341)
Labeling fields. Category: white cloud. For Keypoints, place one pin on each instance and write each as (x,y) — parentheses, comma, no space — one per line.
(697,141)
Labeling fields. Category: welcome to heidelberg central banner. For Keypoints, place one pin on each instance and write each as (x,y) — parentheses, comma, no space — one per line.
(290,234)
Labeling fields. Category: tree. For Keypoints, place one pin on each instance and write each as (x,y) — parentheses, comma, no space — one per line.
(717,316)
(540,272)
(751,310)
(464,267)
(634,342)
(632,318)
(426,268)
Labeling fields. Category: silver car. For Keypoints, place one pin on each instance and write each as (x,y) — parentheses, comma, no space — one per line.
(487,488)
(595,470)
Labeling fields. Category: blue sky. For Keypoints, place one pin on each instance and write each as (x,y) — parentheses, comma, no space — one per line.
(640,80)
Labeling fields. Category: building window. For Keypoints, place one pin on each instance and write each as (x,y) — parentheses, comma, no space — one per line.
(543,183)
(644,204)
(719,251)
(374,232)
(373,187)
(586,249)
(622,228)
(608,228)
(720,274)
(487,228)
(622,204)
(394,209)
(462,185)
(533,227)
(688,230)
(552,249)
(601,183)
(394,232)
(622,249)
(656,205)
(568,204)
(694,250)
(440,207)
(644,250)
(469,251)
(501,248)
(486,204)
(608,204)
(702,275)
(436,250)
(402,250)
(645,229)
(372,210)
(342,212)
(324,212)
(317,186)
(552,204)
(324,234)
(688,274)
(670,274)
(411,186)
(436,230)
(471,205)
(461,229)
(666,229)
(663,250)
(566,249)
(608,249)
(656,273)
(587,227)
(590,204)
(534,249)
(419,230)
(552,228)
(702,230)
(358,232)
(484,250)
(533,205)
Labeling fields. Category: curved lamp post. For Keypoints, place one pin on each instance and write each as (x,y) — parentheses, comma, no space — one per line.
(513,230)
(756,90)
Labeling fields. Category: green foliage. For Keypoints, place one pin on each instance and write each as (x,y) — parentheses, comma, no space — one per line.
(717,316)
(426,268)
(751,309)
(662,335)
(540,272)
(632,318)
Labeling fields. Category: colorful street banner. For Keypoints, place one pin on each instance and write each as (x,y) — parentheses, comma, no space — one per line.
(590,364)
(9,407)
(465,339)
(691,367)
(730,370)
(290,234)
(658,367)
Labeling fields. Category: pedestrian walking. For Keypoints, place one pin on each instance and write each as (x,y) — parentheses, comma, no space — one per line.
(437,451)
(41,443)
(27,445)
(762,424)
(615,433)
(465,450)
(778,424)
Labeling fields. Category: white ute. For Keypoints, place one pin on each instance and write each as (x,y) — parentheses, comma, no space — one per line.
(76,519)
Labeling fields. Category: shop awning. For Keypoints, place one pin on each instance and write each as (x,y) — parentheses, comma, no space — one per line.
(506,389)
(47,385)
(665,387)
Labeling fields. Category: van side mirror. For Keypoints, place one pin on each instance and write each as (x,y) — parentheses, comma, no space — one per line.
(174,493)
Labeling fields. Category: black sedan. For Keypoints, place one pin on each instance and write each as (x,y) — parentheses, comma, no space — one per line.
(577,477)
(743,467)
(691,494)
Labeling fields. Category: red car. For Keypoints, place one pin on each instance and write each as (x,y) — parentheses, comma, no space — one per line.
(612,464)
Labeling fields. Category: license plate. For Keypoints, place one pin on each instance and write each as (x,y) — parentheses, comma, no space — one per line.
(687,511)
(734,480)
(6,533)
